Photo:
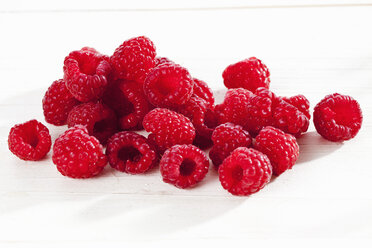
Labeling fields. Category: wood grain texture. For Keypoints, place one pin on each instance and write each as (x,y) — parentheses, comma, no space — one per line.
(309,50)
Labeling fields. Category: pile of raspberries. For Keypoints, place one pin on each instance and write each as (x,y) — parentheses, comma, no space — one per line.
(105,100)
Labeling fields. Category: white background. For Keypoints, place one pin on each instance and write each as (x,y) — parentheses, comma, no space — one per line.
(311,47)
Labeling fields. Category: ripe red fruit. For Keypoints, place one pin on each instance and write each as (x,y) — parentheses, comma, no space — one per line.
(168,128)
(133,59)
(57,103)
(184,166)
(131,153)
(245,171)
(281,148)
(168,85)
(30,140)
(86,74)
(202,90)
(77,154)
(129,102)
(338,117)
(99,119)
(249,74)
(226,138)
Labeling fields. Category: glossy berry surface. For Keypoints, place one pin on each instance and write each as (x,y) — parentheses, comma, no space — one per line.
(184,166)
(281,148)
(168,128)
(168,85)
(249,74)
(57,103)
(30,140)
(226,138)
(98,118)
(133,59)
(77,154)
(245,171)
(131,153)
(338,117)
(86,74)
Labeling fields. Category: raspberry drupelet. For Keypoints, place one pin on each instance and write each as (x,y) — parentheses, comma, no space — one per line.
(86,74)
(30,140)
(184,166)
(131,153)
(77,154)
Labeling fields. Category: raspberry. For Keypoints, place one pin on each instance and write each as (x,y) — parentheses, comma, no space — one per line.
(131,153)
(133,59)
(338,117)
(99,119)
(233,109)
(289,119)
(30,140)
(168,128)
(248,74)
(301,103)
(184,166)
(77,154)
(129,102)
(168,85)
(202,90)
(162,60)
(266,109)
(85,74)
(245,171)
(281,148)
(226,138)
(202,117)
(57,103)
(259,111)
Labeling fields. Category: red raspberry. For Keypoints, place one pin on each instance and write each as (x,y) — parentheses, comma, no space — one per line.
(301,103)
(226,138)
(266,109)
(248,74)
(202,90)
(30,140)
(234,107)
(201,116)
(281,148)
(338,117)
(162,60)
(168,85)
(57,103)
(131,153)
(99,119)
(289,119)
(184,166)
(133,59)
(259,110)
(168,128)
(245,171)
(78,155)
(85,74)
(129,102)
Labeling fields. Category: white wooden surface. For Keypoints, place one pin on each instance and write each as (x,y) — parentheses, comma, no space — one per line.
(311,47)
